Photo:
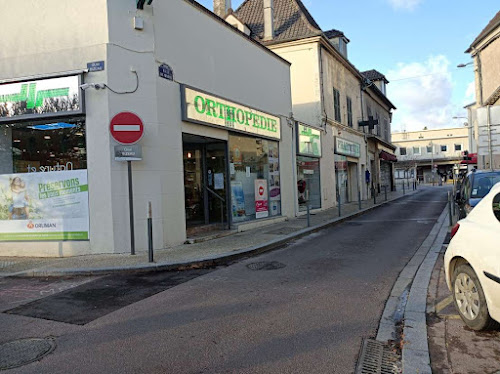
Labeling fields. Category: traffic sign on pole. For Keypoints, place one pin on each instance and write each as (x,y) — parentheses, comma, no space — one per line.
(126,128)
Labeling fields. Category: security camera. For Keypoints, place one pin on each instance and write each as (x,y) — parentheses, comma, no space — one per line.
(97,86)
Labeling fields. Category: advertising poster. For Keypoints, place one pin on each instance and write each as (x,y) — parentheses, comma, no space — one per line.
(261,203)
(238,201)
(44,206)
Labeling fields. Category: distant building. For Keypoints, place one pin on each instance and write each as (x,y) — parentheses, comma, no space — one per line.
(418,150)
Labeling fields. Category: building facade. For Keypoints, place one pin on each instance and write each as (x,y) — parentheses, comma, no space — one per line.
(327,97)
(217,132)
(484,115)
(430,155)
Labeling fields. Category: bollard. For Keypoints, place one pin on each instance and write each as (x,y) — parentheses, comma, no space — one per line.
(385,191)
(374,196)
(308,215)
(359,200)
(150,233)
(449,208)
(339,204)
(403,187)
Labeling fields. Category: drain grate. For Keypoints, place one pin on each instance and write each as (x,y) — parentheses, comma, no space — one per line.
(376,358)
(284,231)
(24,351)
(266,265)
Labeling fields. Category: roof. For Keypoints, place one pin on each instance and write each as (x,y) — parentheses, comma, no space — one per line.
(335,34)
(292,20)
(374,75)
(492,25)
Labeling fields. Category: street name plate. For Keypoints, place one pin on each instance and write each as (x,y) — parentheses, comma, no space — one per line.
(128,152)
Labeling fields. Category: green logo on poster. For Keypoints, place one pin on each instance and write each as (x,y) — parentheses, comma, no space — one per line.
(32,97)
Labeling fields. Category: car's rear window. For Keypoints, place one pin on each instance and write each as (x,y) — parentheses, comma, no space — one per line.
(483,183)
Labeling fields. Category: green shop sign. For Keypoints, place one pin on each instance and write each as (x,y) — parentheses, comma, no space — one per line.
(49,97)
(309,141)
(203,108)
(347,148)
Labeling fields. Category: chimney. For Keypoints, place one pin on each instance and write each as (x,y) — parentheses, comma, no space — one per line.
(268,19)
(221,7)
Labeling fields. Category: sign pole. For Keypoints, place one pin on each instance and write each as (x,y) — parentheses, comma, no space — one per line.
(131,208)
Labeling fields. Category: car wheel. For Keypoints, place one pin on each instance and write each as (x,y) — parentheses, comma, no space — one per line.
(469,299)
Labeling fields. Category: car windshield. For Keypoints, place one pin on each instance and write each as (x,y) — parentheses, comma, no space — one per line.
(483,183)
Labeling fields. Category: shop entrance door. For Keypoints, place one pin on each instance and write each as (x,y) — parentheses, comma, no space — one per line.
(205,181)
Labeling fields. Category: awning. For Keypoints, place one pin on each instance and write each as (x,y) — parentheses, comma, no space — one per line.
(388,156)
(471,159)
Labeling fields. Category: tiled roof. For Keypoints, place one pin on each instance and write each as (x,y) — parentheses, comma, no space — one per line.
(493,24)
(333,33)
(374,75)
(292,20)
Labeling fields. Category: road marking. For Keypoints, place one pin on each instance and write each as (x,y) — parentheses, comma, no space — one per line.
(444,303)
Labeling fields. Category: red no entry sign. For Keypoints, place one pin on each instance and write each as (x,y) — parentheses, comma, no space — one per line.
(126,128)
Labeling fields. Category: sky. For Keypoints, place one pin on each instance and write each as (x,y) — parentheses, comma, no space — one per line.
(417,45)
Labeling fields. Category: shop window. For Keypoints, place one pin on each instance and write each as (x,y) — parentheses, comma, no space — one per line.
(43,180)
(254,166)
(308,183)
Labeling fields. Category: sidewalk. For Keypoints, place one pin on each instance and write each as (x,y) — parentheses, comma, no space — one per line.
(453,347)
(208,253)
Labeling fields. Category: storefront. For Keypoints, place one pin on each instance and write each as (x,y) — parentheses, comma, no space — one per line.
(308,167)
(229,181)
(43,161)
(347,154)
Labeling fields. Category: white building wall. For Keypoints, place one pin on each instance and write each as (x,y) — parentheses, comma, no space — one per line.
(207,55)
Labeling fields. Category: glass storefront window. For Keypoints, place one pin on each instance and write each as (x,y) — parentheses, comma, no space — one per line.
(254,170)
(308,182)
(43,180)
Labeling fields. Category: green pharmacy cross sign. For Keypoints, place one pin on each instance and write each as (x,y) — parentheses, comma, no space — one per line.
(32,97)
(48,97)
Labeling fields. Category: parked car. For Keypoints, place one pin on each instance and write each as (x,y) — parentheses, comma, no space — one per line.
(473,188)
(472,264)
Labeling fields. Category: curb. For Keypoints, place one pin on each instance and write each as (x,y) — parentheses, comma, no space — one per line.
(210,261)
(408,302)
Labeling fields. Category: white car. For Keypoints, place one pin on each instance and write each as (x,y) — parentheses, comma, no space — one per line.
(472,264)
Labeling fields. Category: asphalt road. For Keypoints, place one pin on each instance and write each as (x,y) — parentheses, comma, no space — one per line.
(306,317)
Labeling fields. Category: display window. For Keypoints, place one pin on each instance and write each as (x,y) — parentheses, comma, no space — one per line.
(43,181)
(308,183)
(255,178)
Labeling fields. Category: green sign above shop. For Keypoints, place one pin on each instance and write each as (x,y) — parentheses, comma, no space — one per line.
(309,141)
(203,108)
(347,148)
(49,97)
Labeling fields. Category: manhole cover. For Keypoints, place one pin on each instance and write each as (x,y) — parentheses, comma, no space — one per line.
(266,265)
(376,358)
(24,351)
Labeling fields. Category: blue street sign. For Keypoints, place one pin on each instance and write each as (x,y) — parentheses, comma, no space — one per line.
(166,72)
(95,66)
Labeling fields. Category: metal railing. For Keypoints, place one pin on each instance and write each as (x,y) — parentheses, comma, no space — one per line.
(222,200)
